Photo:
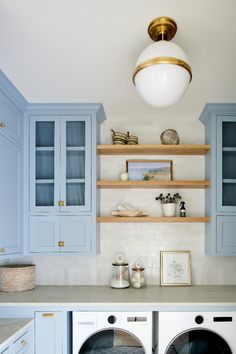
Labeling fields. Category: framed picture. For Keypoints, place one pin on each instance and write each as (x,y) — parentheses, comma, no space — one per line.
(175,268)
(149,170)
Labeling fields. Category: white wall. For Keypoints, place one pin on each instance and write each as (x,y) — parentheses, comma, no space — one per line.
(144,241)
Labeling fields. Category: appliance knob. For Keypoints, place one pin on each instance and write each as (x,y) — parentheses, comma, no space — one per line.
(111,319)
(199,319)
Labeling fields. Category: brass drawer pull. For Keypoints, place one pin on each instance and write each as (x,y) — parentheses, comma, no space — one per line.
(61,243)
(23,342)
(2,250)
(61,203)
(2,125)
(48,314)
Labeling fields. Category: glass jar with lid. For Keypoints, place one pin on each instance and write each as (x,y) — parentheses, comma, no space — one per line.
(138,278)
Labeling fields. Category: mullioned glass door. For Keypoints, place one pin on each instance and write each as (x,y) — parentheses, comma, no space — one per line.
(44,169)
(75,163)
(226,164)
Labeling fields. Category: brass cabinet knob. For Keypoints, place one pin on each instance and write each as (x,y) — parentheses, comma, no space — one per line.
(2,125)
(23,342)
(61,203)
(2,250)
(61,243)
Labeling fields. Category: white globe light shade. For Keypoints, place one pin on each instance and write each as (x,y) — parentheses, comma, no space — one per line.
(162,85)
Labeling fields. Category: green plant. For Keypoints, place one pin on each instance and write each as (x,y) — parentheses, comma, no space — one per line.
(168,198)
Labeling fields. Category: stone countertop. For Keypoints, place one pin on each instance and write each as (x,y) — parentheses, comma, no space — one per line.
(151,297)
(10,328)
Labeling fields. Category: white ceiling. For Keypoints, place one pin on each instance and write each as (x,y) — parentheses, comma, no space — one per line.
(85,51)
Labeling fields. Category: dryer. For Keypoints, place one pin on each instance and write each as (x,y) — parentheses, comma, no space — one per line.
(112,332)
(197,333)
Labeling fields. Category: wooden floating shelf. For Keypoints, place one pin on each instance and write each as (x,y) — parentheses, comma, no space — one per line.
(116,184)
(153,149)
(161,219)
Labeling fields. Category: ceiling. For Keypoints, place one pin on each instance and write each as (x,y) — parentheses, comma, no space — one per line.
(85,51)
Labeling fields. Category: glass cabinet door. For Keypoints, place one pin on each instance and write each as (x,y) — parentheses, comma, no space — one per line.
(43,164)
(226,163)
(75,163)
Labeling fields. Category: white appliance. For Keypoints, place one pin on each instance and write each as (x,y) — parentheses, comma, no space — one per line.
(197,333)
(112,332)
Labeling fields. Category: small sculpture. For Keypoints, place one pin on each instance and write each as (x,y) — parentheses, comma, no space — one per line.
(169,137)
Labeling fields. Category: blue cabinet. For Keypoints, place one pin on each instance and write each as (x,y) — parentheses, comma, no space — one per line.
(63,167)
(11,197)
(12,106)
(220,129)
(49,332)
(68,233)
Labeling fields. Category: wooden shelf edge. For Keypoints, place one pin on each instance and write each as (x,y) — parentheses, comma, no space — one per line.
(153,184)
(153,149)
(161,219)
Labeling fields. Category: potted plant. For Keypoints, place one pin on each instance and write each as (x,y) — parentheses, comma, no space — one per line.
(168,203)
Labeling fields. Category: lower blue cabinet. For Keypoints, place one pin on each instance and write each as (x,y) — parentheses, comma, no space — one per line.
(49,332)
(70,234)
(226,234)
(22,344)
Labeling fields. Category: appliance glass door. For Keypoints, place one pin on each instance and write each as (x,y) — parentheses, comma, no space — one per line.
(198,341)
(112,341)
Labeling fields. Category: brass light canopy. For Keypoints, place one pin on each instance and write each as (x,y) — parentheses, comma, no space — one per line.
(162,27)
(162,72)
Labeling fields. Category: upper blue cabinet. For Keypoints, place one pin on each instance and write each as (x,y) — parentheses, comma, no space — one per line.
(60,163)
(220,124)
(63,165)
(12,106)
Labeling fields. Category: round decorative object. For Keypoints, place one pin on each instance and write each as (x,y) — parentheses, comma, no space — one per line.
(169,137)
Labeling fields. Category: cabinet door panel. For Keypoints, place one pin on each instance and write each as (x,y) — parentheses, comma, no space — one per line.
(6,351)
(226,162)
(76,163)
(10,201)
(44,163)
(44,234)
(48,333)
(75,232)
(226,236)
(11,117)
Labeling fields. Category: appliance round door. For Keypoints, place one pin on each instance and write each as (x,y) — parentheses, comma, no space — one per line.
(198,341)
(112,341)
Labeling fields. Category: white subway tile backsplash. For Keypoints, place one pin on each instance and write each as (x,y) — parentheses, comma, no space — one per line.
(140,240)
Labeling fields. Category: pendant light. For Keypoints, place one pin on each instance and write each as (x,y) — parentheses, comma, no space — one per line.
(162,72)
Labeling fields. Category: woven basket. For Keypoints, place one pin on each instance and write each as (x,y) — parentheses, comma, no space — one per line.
(17,277)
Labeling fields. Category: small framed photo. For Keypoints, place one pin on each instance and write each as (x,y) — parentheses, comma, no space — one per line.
(175,268)
(149,170)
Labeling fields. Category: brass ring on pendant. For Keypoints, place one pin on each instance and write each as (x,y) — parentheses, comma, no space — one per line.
(163,60)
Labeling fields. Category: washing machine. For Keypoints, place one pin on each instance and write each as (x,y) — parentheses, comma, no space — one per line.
(112,332)
(197,333)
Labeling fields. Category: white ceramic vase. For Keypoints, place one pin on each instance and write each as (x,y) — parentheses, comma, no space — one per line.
(168,209)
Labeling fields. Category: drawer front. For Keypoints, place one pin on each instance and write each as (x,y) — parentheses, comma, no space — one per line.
(6,351)
(21,345)
(10,119)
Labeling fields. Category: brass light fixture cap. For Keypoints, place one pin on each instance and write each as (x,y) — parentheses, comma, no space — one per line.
(162,28)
